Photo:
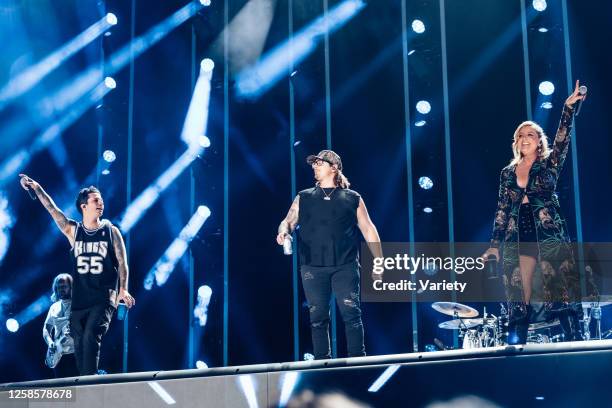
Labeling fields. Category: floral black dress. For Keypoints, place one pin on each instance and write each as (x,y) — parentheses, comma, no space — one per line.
(556,281)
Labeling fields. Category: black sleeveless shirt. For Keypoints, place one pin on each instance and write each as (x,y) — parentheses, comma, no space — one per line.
(328,234)
(94,271)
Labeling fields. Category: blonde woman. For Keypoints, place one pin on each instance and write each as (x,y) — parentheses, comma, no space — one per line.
(529,224)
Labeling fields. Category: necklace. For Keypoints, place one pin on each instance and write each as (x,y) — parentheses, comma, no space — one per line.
(328,196)
(92,231)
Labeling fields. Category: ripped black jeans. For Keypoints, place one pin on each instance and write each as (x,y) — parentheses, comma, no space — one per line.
(319,283)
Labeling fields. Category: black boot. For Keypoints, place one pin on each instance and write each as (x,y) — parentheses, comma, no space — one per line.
(518,324)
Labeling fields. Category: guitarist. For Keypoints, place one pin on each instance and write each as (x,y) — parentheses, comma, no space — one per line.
(56,330)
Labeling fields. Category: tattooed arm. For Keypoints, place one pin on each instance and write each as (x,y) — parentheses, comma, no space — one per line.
(287,226)
(122,265)
(66,225)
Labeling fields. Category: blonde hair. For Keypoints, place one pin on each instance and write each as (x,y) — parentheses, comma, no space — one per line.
(54,286)
(543,149)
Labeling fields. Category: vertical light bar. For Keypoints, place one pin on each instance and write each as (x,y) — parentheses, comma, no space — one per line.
(225,183)
(130,142)
(191,305)
(328,134)
(526,60)
(574,148)
(294,263)
(408,141)
(447,144)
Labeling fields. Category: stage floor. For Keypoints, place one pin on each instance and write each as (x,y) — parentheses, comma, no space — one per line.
(572,374)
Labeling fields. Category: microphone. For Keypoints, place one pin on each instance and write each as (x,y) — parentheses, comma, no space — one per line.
(491,265)
(32,194)
(582,91)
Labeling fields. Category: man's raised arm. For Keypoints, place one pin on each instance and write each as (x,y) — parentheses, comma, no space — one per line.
(65,224)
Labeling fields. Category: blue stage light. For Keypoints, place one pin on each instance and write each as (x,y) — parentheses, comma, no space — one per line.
(6,223)
(19,160)
(200,365)
(418,26)
(31,76)
(161,392)
(204,141)
(425,183)
(383,378)
(196,120)
(110,83)
(289,381)
(247,383)
(111,19)
(420,123)
(423,107)
(539,5)
(543,29)
(67,100)
(207,65)
(12,325)
(546,88)
(109,156)
(166,264)
(546,105)
(205,3)
(427,210)
(255,80)
(200,311)
(137,208)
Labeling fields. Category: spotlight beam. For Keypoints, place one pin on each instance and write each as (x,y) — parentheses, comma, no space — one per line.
(70,93)
(34,74)
(35,309)
(165,265)
(137,208)
(196,120)
(253,81)
(20,159)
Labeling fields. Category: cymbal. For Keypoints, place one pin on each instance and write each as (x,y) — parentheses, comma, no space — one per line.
(454,309)
(543,325)
(594,304)
(458,324)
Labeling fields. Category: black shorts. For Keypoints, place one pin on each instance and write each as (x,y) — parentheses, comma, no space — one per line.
(528,238)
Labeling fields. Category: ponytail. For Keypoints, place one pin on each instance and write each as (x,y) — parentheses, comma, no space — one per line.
(341,180)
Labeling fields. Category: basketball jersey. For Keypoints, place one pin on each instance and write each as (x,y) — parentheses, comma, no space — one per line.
(94,266)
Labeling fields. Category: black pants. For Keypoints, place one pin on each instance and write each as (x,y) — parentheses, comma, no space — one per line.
(87,327)
(343,281)
(66,367)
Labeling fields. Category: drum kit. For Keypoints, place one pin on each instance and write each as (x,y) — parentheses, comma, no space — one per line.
(491,331)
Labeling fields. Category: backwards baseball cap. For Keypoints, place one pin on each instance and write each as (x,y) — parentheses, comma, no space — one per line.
(328,156)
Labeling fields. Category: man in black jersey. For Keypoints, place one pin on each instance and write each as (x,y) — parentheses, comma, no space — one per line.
(100,271)
(329,215)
